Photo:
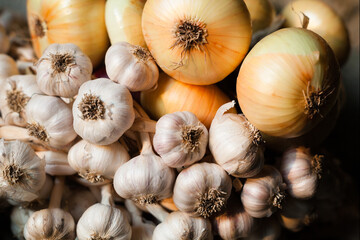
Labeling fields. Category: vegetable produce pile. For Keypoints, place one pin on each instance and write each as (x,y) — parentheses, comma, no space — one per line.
(170,119)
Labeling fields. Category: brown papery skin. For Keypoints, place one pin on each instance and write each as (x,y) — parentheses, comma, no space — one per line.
(172,96)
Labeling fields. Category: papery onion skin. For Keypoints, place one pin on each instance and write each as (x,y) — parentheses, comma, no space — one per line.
(172,96)
(288,82)
(216,52)
(262,13)
(323,20)
(123,21)
(81,22)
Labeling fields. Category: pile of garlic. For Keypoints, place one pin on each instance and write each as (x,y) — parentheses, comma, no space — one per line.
(79,157)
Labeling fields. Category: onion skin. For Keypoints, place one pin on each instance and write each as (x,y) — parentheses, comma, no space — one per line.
(288,82)
(81,22)
(173,96)
(223,44)
(262,13)
(323,20)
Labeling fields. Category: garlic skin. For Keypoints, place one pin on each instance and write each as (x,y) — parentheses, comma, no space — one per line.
(235,143)
(49,120)
(105,106)
(56,163)
(145,179)
(22,173)
(14,96)
(18,218)
(103,222)
(132,66)
(8,67)
(179,225)
(50,224)
(62,69)
(96,163)
(263,193)
(180,139)
(301,172)
(202,189)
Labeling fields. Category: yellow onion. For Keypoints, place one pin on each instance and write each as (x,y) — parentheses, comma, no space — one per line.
(81,22)
(197,42)
(323,20)
(262,13)
(172,96)
(123,21)
(288,82)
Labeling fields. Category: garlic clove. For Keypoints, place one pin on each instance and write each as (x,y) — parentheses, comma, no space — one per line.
(62,69)
(103,105)
(131,66)
(180,139)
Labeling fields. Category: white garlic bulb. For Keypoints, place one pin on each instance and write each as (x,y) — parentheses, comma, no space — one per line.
(235,143)
(263,194)
(49,120)
(103,222)
(4,40)
(145,179)
(96,163)
(56,163)
(180,139)
(62,69)
(132,66)
(8,67)
(300,171)
(235,223)
(50,224)
(14,96)
(202,189)
(18,218)
(22,173)
(179,225)
(105,106)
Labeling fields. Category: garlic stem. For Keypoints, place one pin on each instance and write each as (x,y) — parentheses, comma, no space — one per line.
(135,213)
(96,192)
(140,110)
(143,125)
(106,195)
(157,211)
(146,143)
(56,194)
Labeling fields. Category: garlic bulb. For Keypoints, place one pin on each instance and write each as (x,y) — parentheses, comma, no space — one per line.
(97,163)
(62,69)
(131,66)
(4,40)
(179,225)
(202,189)
(18,218)
(49,120)
(8,67)
(103,220)
(235,223)
(123,21)
(105,106)
(56,163)
(14,96)
(197,42)
(180,139)
(50,224)
(263,193)
(145,179)
(22,173)
(301,172)
(235,143)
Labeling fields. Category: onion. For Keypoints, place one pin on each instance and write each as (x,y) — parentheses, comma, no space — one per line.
(288,82)
(197,42)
